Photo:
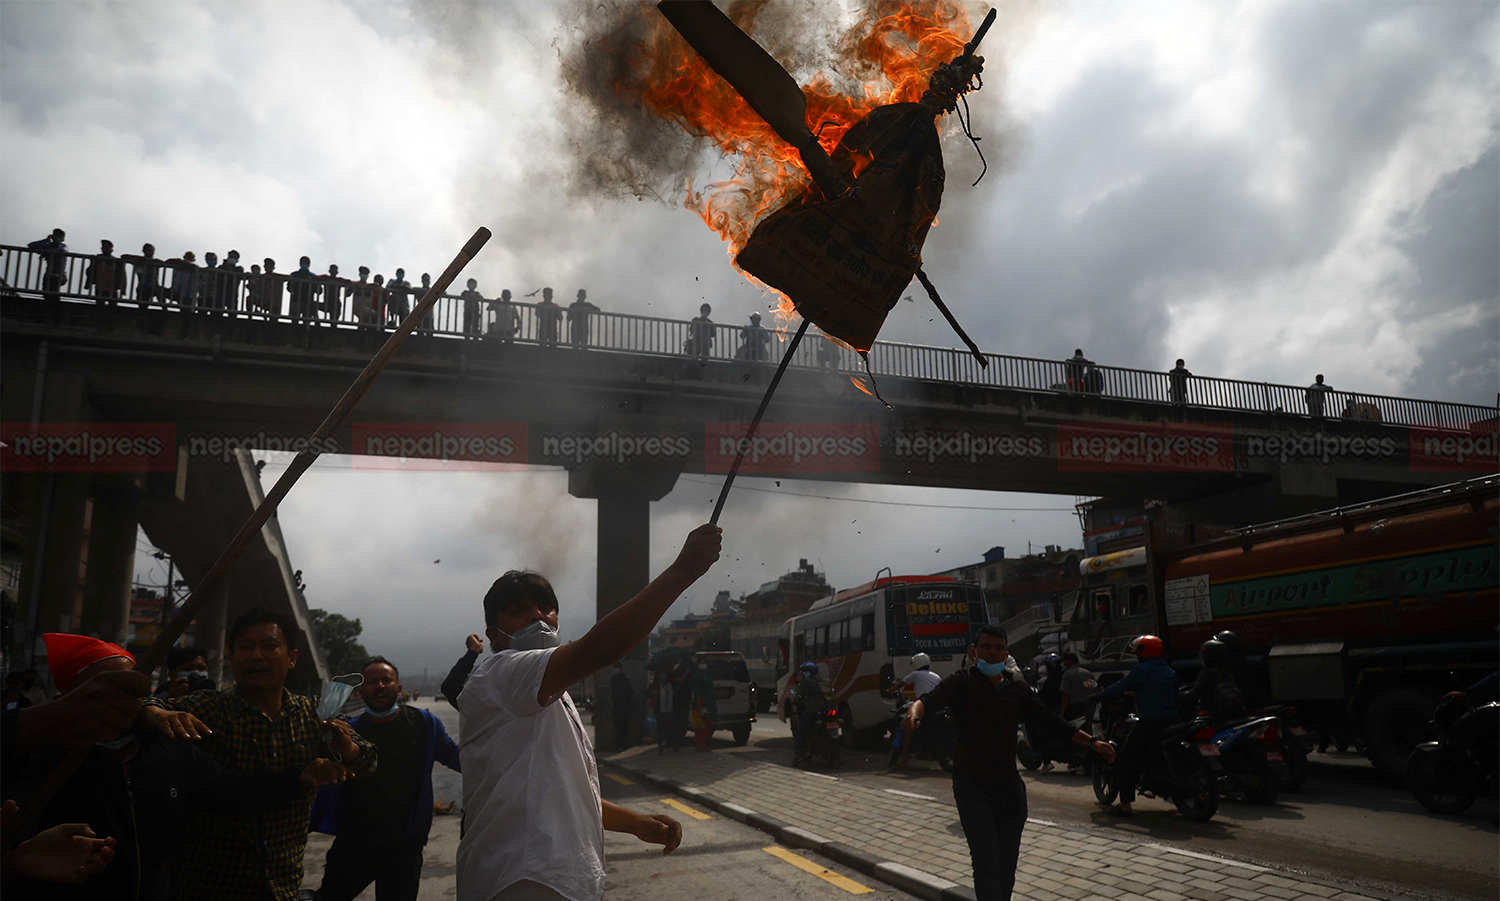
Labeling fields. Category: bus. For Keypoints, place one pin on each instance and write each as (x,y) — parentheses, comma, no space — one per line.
(863,639)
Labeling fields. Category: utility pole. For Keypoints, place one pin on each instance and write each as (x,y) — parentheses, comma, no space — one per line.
(167,596)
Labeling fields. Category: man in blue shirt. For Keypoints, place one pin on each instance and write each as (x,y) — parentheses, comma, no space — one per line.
(382,820)
(1155,685)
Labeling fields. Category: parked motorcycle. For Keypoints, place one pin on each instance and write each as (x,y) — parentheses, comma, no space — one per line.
(1295,744)
(1250,750)
(1447,775)
(936,739)
(825,737)
(1183,766)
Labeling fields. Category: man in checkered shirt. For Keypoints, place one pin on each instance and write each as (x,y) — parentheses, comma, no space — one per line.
(256,725)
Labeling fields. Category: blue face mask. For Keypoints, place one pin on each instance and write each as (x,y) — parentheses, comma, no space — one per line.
(991,669)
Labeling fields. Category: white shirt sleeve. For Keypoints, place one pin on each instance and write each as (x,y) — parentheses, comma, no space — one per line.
(517,678)
(910,678)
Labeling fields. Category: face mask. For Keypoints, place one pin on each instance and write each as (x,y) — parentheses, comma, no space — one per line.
(537,636)
(990,669)
(338,692)
(382,714)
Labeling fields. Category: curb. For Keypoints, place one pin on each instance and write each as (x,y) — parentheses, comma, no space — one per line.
(897,875)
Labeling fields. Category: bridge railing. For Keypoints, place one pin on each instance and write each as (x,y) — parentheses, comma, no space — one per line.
(134,282)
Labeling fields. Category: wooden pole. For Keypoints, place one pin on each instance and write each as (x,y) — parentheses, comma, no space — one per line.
(156,654)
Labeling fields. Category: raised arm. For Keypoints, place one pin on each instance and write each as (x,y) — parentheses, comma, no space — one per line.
(629,624)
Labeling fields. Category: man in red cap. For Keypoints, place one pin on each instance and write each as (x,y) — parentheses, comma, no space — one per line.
(138,789)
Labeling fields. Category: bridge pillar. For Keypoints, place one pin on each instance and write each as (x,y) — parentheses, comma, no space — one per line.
(625,493)
(111,564)
(55,554)
(208,632)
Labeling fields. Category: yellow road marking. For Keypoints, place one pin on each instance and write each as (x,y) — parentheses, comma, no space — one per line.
(679,806)
(823,873)
(620,779)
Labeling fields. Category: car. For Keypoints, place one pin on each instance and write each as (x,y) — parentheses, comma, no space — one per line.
(734,694)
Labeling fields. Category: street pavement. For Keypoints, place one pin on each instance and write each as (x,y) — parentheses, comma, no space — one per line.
(1346,836)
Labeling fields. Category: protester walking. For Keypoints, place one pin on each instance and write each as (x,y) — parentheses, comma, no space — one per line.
(255,725)
(382,821)
(988,704)
(1179,382)
(542,836)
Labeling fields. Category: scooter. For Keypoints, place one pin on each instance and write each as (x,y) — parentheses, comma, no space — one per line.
(1295,745)
(825,737)
(936,739)
(1254,764)
(1446,775)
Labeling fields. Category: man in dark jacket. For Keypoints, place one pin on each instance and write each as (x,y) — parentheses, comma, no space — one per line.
(1155,685)
(381,821)
(453,686)
(988,705)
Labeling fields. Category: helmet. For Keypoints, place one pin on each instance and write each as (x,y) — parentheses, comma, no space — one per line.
(1230,641)
(1145,646)
(809,665)
(1213,652)
(920,660)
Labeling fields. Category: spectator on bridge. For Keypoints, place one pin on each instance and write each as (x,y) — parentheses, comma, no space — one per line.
(548,319)
(1317,393)
(1093,380)
(256,725)
(578,320)
(507,322)
(184,280)
(270,290)
(333,288)
(540,836)
(303,290)
(382,821)
(1179,379)
(426,325)
(988,704)
(106,274)
(254,290)
(227,290)
(397,298)
(146,267)
(380,299)
(1074,367)
(755,341)
(207,296)
(701,334)
(54,252)
(362,295)
(828,354)
(473,325)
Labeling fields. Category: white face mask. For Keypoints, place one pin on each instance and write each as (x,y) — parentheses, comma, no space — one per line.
(537,636)
(382,714)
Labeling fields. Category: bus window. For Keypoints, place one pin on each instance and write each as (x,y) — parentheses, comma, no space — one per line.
(809,646)
(1137,604)
(856,635)
(1102,599)
(868,621)
(820,643)
(836,637)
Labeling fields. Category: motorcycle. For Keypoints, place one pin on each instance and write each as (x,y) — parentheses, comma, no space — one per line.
(1250,751)
(1183,766)
(825,736)
(936,739)
(1447,775)
(1295,745)
(1069,753)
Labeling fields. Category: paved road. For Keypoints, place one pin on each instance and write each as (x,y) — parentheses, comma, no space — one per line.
(1346,823)
(718,859)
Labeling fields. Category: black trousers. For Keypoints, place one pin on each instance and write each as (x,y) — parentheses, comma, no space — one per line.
(1132,757)
(993,820)
(353,863)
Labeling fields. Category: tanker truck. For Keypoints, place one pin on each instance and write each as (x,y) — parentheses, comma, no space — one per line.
(1360,616)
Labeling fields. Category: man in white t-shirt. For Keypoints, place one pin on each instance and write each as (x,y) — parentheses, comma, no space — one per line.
(534,818)
(922,680)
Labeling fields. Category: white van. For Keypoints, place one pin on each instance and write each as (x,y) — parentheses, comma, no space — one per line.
(734,696)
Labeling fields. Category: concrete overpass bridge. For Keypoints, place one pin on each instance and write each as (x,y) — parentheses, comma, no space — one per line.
(630,402)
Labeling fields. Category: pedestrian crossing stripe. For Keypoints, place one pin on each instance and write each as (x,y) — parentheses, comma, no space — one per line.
(823,873)
(620,779)
(683,808)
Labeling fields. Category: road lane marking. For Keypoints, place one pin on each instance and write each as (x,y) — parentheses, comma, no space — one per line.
(679,806)
(823,873)
(620,779)
(897,791)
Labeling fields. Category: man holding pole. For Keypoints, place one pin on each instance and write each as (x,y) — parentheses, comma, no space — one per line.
(535,818)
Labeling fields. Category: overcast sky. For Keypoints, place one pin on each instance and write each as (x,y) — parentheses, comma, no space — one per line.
(1269,190)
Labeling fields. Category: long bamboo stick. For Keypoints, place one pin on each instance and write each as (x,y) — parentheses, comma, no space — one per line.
(156,654)
(765,401)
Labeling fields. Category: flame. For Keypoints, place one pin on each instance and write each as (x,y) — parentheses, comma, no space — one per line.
(858,383)
(891,52)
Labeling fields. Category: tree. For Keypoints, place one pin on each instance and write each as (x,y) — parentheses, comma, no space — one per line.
(338,636)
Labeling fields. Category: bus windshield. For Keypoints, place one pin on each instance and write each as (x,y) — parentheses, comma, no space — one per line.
(933,619)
